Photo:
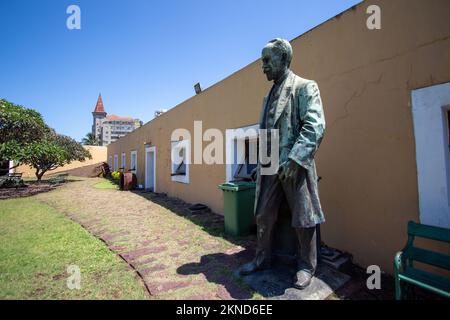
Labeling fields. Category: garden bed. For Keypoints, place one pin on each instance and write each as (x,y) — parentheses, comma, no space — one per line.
(29,189)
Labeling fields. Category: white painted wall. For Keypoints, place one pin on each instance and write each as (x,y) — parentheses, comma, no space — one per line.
(429,109)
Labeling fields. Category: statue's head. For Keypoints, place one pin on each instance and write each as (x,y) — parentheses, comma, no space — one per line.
(276,58)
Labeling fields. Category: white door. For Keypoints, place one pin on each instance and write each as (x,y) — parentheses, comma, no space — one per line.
(150,168)
(431,115)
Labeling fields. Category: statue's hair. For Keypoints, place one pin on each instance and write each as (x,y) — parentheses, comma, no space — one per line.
(283,46)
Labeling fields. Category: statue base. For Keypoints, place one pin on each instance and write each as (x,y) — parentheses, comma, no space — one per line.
(276,283)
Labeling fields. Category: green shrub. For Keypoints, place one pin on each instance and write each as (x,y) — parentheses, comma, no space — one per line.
(11,182)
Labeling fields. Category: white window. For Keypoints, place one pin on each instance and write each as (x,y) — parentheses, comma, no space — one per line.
(180,158)
(133,162)
(110,163)
(116,162)
(243,147)
(124,161)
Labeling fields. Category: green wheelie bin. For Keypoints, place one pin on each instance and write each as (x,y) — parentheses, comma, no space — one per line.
(239,199)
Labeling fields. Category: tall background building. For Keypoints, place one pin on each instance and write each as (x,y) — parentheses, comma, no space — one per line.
(109,128)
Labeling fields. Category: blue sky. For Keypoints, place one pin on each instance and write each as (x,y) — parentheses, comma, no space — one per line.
(141,55)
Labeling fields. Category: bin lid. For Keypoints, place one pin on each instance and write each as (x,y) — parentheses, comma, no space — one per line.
(237,185)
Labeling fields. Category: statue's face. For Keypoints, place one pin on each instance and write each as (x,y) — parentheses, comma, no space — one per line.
(274,65)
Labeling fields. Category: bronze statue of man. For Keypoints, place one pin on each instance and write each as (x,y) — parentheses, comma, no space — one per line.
(294,107)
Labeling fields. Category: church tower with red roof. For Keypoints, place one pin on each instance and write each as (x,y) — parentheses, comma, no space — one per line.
(110,128)
(98,115)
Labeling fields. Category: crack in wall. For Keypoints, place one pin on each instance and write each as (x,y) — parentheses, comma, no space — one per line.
(355,95)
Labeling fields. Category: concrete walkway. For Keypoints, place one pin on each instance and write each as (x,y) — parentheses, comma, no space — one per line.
(178,255)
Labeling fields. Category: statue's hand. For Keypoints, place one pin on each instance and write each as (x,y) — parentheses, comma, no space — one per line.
(287,170)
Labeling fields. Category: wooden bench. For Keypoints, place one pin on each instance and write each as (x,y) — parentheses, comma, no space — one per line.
(60,178)
(407,275)
(15,175)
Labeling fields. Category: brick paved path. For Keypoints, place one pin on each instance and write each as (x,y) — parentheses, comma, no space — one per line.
(177,254)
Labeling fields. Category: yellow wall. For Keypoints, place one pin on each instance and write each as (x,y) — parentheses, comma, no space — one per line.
(98,155)
(367,159)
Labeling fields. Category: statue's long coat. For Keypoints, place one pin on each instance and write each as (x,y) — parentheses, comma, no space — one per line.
(301,123)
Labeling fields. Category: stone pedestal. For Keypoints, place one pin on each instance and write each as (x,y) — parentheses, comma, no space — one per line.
(276,283)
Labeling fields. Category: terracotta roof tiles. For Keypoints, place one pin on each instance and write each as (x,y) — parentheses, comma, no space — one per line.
(99,106)
(114,117)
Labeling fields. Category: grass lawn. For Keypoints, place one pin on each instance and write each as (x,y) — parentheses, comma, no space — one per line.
(106,185)
(38,244)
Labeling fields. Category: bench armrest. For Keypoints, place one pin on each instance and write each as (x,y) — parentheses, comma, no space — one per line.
(398,261)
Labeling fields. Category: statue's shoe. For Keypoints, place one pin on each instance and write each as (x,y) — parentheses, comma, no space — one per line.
(302,279)
(251,267)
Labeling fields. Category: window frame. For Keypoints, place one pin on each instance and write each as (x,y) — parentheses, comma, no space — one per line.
(185,144)
(238,167)
(429,110)
(124,161)
(116,162)
(133,152)
(231,148)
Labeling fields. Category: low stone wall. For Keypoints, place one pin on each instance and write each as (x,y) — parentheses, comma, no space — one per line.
(98,156)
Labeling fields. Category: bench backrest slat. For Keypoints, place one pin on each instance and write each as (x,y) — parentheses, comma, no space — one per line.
(436,259)
(428,232)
